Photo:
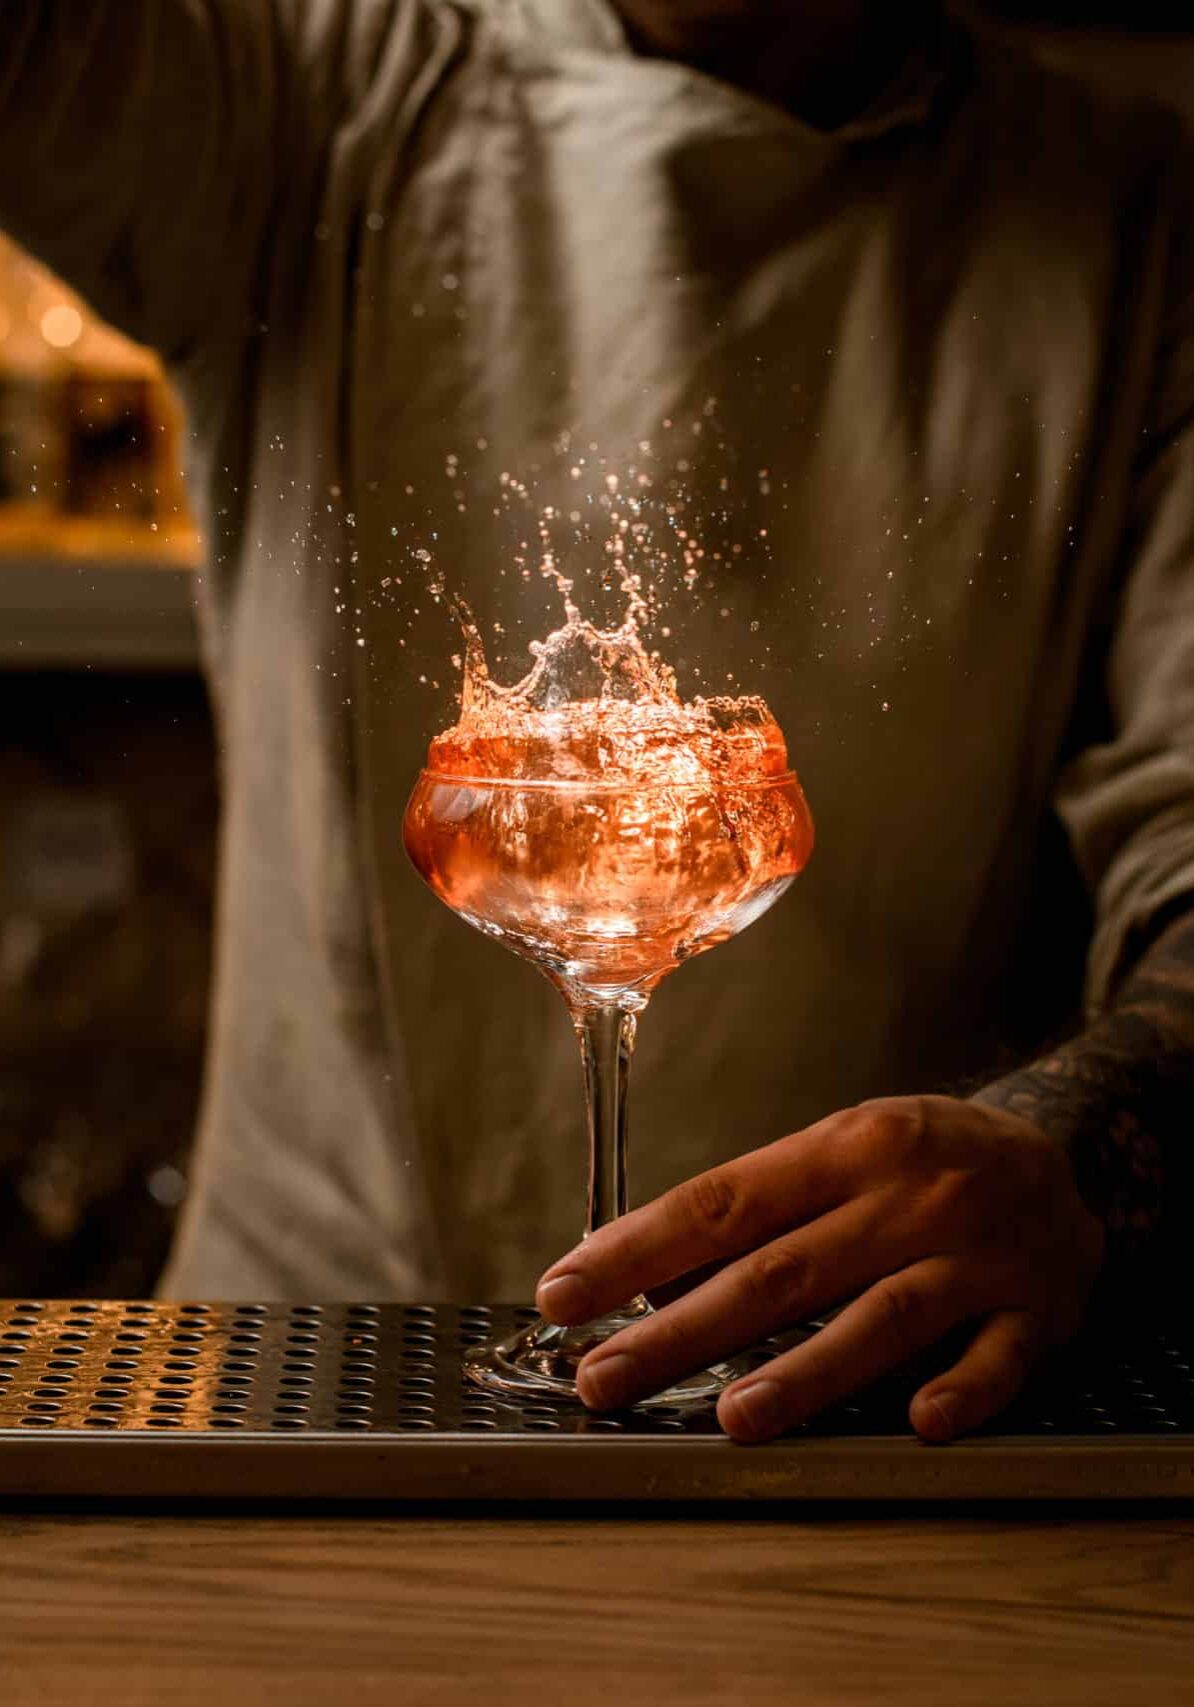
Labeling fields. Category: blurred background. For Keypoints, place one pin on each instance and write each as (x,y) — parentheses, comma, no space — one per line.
(108,777)
(107,801)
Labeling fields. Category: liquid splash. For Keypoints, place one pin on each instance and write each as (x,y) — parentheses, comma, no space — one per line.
(598,706)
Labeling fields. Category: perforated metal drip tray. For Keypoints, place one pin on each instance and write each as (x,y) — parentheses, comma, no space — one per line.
(363,1401)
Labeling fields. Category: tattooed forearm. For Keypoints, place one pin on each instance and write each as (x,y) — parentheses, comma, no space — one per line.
(1121,1096)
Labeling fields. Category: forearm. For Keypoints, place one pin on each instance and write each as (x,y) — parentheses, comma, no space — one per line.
(1121,1098)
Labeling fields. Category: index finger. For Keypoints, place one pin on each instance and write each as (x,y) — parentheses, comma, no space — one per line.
(713,1217)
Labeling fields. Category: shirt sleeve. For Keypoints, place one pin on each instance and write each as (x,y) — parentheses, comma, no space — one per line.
(1127,801)
(140,143)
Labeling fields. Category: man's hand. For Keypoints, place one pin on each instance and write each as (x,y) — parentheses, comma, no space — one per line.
(926,1212)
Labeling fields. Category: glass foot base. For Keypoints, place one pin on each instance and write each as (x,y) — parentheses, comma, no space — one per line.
(542,1359)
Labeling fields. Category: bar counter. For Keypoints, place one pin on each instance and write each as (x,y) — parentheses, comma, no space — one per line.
(1060,1606)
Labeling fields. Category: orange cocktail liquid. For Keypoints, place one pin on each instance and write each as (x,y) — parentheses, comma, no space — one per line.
(610,839)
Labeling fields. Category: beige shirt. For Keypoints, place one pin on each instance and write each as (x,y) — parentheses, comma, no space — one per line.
(393,248)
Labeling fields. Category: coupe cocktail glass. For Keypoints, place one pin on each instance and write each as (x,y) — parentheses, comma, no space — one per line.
(606,886)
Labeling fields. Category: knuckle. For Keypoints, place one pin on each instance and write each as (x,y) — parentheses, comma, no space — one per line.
(912,1126)
(709,1204)
(901,1308)
(895,1128)
(949,1199)
(777,1277)
(660,1341)
(865,1130)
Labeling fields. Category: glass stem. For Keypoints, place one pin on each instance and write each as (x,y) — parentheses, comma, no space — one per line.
(606,1042)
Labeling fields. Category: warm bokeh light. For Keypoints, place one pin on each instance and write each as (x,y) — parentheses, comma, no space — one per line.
(62,326)
(90,468)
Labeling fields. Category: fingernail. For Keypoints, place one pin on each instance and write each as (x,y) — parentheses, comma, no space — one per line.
(564,1299)
(753,1409)
(941,1415)
(607,1383)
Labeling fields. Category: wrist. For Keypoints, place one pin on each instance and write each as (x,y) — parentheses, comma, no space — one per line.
(1092,1111)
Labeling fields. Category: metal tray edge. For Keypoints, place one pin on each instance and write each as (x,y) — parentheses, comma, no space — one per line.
(79,1464)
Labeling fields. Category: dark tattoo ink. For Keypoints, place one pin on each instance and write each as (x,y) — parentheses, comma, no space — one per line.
(1121,1097)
